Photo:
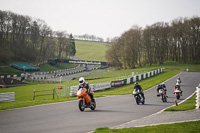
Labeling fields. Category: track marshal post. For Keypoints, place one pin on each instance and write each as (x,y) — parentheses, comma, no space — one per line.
(176,104)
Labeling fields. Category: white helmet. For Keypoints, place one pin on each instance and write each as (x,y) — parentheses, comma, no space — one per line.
(177,83)
(136,83)
(81,80)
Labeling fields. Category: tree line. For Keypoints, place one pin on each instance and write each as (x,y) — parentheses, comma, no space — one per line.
(176,41)
(23,38)
(89,38)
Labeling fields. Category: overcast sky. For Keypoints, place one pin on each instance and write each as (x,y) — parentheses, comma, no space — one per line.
(102,18)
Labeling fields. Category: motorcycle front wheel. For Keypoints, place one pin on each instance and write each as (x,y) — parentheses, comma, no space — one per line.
(177,96)
(81,105)
(137,100)
(164,98)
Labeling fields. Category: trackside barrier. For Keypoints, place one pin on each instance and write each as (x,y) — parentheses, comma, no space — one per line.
(43,81)
(73,90)
(128,81)
(41,73)
(117,83)
(7,97)
(101,86)
(198,97)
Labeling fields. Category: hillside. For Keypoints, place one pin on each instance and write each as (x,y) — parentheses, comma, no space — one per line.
(91,51)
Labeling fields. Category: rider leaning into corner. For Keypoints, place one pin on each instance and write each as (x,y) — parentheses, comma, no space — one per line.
(83,84)
(138,87)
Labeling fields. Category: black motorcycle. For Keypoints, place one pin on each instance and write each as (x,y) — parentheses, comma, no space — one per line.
(163,95)
(138,97)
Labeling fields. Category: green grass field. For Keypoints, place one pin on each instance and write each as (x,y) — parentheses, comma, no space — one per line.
(91,51)
(9,70)
(185,127)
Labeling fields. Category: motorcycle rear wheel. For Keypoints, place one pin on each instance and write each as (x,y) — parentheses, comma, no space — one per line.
(93,106)
(164,99)
(143,101)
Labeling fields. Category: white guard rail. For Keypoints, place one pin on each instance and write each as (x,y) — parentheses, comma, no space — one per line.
(7,97)
(198,97)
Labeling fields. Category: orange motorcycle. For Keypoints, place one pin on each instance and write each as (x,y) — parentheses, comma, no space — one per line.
(84,100)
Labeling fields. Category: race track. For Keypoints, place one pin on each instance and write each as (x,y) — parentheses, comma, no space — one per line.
(111,111)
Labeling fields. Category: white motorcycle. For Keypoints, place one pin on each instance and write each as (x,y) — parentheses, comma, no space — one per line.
(177,93)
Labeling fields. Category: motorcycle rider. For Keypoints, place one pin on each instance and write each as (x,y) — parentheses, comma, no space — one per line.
(164,88)
(83,84)
(177,86)
(158,88)
(178,80)
(138,87)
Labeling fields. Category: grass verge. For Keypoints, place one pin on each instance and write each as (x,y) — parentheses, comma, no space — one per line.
(187,105)
(185,127)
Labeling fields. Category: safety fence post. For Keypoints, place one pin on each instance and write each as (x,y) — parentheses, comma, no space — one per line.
(142,76)
(198,97)
(137,78)
(34,94)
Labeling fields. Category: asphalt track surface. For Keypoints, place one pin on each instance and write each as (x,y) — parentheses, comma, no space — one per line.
(111,111)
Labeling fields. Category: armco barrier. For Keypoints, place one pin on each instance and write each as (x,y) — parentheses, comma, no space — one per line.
(42,73)
(128,81)
(73,90)
(7,97)
(101,86)
(117,83)
(121,82)
(131,80)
